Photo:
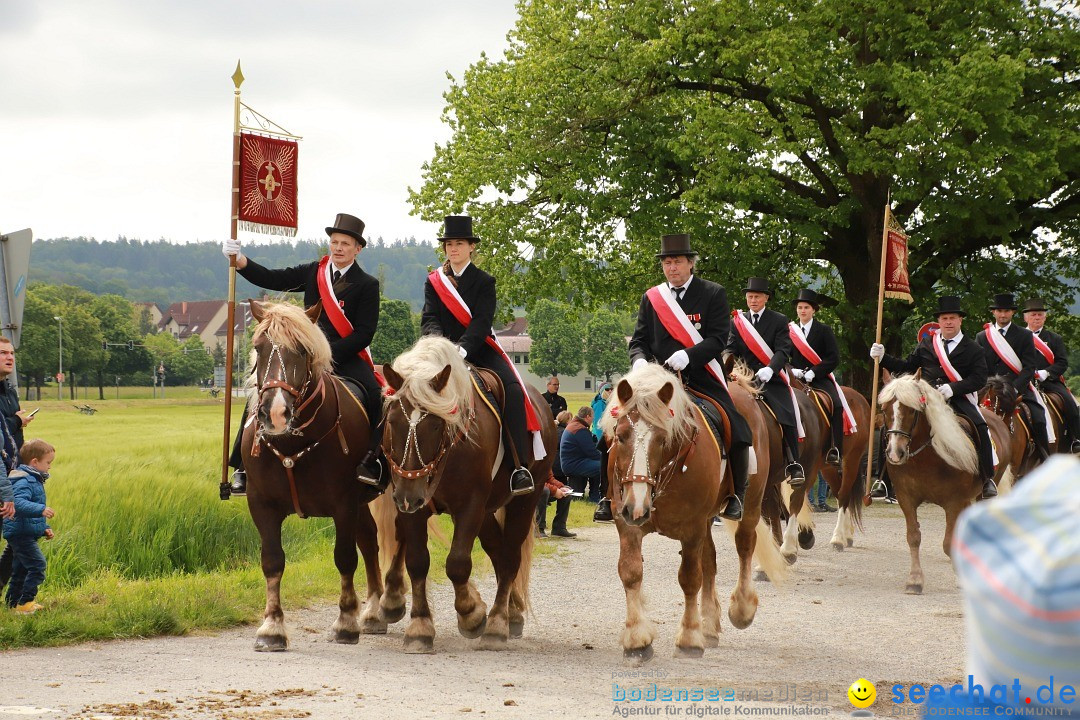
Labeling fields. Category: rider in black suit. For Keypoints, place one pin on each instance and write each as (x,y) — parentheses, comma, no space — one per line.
(477,289)
(967,358)
(820,338)
(358,294)
(1020,340)
(1050,375)
(773,328)
(706,306)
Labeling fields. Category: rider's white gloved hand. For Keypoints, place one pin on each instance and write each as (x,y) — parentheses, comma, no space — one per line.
(946,391)
(808,376)
(640,363)
(463,352)
(765,374)
(678,360)
(797,373)
(1042,374)
(877,351)
(230,247)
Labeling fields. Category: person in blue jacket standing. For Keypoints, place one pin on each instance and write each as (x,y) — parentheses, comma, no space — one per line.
(30,523)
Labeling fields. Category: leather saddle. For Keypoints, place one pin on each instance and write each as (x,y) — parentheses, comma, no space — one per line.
(1056,403)
(491,390)
(718,421)
(969,429)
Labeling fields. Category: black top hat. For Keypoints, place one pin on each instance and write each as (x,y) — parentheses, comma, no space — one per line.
(949,304)
(1034,304)
(756,284)
(350,225)
(675,245)
(815,299)
(1003,301)
(458,227)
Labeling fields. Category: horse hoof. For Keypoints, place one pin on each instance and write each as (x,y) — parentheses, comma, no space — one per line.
(806,539)
(493,642)
(791,558)
(838,547)
(689,652)
(913,589)
(271,643)
(740,622)
(641,654)
(712,641)
(517,628)
(850,542)
(346,637)
(373,627)
(762,576)
(391,615)
(420,645)
(474,632)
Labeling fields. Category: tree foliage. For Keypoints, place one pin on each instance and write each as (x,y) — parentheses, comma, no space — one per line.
(557,340)
(396,332)
(774,132)
(605,345)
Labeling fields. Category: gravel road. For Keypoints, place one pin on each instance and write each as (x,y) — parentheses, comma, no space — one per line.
(842,616)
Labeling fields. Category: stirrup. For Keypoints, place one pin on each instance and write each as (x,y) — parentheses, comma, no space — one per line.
(734,509)
(239,483)
(372,473)
(517,482)
(989,489)
(833,456)
(796,475)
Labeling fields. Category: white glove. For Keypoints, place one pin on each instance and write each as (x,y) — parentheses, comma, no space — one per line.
(877,351)
(797,373)
(678,360)
(765,374)
(230,247)
(640,363)
(808,376)
(463,352)
(1042,374)
(946,391)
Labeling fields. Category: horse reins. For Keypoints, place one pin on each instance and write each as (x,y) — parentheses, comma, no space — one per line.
(658,482)
(289,461)
(911,431)
(412,440)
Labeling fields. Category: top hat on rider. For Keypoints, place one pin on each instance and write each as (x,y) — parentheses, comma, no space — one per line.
(1010,352)
(471,293)
(1052,364)
(820,340)
(349,298)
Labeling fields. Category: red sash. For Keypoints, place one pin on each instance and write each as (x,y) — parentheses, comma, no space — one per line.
(457,307)
(337,317)
(850,428)
(679,327)
(764,353)
(1043,348)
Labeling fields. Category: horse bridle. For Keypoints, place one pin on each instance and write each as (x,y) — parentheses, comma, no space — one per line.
(412,440)
(911,430)
(658,482)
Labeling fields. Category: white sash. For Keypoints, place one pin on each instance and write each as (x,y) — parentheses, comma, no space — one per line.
(1008,356)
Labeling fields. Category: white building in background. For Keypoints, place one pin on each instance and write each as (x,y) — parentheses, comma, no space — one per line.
(515,340)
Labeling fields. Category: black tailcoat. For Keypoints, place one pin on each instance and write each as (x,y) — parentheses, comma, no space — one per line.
(773,328)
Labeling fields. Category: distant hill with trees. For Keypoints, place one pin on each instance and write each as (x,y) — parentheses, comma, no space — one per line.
(164,272)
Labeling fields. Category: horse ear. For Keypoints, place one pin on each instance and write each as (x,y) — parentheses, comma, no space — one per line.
(666,393)
(314,311)
(439,381)
(257,311)
(394,380)
(918,374)
(624,392)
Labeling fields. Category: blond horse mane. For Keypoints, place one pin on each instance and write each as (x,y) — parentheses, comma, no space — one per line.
(418,365)
(744,377)
(676,419)
(288,326)
(946,436)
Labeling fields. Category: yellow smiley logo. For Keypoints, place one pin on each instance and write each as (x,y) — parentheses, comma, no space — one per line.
(862,693)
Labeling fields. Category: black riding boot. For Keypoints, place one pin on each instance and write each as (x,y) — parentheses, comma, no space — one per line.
(372,470)
(986,464)
(739,457)
(1042,441)
(796,474)
(603,513)
(837,450)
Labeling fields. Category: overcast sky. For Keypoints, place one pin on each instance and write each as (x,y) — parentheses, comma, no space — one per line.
(116,115)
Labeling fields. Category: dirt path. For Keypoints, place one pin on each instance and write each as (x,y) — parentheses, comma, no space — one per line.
(843,616)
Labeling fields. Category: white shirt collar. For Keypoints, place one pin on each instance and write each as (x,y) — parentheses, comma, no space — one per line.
(685,285)
(809,322)
(459,273)
(955,340)
(331,267)
(999,328)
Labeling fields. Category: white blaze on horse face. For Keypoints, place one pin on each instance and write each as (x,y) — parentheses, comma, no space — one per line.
(896,454)
(639,494)
(277,411)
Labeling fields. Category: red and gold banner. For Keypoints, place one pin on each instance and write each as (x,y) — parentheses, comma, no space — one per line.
(268,171)
(896,260)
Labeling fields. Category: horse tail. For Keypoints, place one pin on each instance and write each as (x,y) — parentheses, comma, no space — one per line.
(766,552)
(854,504)
(805,519)
(1007,481)
(385,513)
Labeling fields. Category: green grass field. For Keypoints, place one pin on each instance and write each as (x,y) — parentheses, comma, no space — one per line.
(143,544)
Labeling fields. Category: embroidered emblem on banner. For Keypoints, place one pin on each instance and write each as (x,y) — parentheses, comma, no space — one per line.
(268,172)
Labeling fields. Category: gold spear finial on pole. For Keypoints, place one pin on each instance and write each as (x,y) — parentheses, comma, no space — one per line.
(238,76)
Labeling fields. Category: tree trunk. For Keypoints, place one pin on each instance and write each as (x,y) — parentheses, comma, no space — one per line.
(101,384)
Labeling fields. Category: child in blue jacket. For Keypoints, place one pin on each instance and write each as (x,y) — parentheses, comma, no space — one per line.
(29,524)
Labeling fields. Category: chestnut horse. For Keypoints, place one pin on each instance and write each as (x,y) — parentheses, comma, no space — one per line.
(1000,396)
(848,481)
(667,475)
(301,446)
(445,450)
(930,458)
